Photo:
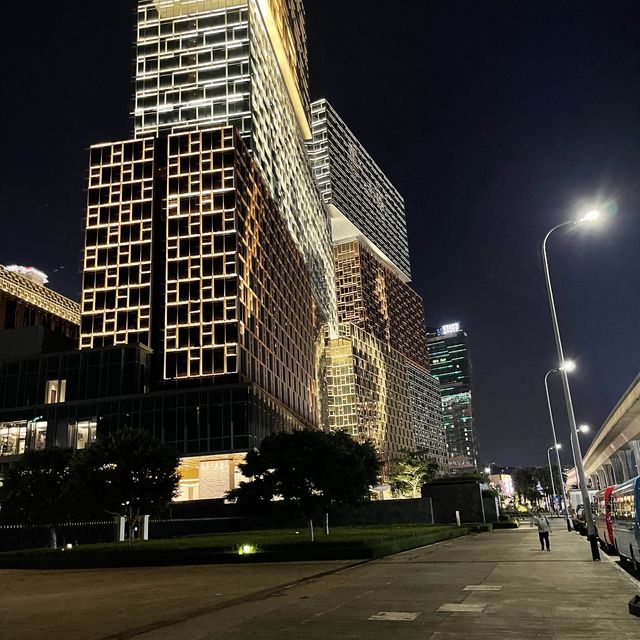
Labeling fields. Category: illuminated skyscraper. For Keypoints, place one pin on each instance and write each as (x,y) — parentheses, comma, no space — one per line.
(451,364)
(241,63)
(190,226)
(246,262)
(378,381)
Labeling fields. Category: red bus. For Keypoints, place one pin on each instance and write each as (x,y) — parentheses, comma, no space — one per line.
(603,520)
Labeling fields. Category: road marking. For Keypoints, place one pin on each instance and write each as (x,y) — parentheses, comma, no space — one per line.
(462,608)
(397,616)
(483,587)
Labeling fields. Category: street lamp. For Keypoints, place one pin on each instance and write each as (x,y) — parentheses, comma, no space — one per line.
(568,366)
(553,486)
(591,529)
(584,428)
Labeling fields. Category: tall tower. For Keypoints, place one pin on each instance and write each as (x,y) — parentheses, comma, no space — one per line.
(378,381)
(192,223)
(451,364)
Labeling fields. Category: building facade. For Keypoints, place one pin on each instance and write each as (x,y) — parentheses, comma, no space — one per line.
(34,320)
(451,365)
(378,383)
(190,225)
(245,270)
(362,202)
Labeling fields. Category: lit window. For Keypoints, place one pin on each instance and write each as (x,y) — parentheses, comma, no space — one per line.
(56,391)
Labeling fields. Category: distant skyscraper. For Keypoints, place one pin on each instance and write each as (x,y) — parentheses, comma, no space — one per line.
(451,364)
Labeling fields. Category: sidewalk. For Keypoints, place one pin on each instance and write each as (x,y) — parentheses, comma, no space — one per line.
(494,585)
(481,587)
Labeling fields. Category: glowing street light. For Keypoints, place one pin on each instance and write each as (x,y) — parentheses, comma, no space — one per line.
(568,366)
(553,486)
(584,428)
(589,217)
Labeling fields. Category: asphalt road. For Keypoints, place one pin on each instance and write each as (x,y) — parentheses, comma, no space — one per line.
(481,587)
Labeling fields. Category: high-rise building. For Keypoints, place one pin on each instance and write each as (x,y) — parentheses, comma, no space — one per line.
(246,263)
(363,203)
(451,365)
(241,63)
(190,226)
(378,382)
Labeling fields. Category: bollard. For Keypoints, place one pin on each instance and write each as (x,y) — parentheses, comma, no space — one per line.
(458,519)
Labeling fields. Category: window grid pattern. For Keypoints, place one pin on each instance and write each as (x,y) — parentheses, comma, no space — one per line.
(117,275)
(228,309)
(368,391)
(372,297)
(281,156)
(349,179)
(289,16)
(451,365)
(462,444)
(211,65)
(426,415)
(192,69)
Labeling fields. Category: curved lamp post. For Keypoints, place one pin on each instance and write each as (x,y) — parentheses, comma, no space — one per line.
(557,447)
(568,366)
(591,528)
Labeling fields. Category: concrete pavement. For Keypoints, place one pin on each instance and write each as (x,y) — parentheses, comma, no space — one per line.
(484,586)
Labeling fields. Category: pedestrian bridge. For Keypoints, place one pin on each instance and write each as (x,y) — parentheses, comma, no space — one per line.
(614,454)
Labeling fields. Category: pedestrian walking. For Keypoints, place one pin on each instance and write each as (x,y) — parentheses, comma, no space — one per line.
(544,529)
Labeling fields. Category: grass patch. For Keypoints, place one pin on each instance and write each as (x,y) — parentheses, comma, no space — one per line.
(280,545)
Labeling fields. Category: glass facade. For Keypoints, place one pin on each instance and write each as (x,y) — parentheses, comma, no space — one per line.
(451,365)
(242,64)
(368,391)
(378,384)
(245,267)
(426,414)
(363,202)
(372,297)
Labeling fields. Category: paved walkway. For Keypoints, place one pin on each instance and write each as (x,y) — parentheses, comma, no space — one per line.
(478,587)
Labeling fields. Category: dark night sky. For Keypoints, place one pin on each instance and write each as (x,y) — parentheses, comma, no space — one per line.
(494,119)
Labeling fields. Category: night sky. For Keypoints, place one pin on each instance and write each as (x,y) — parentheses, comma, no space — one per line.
(496,120)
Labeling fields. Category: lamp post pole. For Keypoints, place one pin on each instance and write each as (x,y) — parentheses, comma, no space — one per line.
(553,486)
(591,529)
(564,490)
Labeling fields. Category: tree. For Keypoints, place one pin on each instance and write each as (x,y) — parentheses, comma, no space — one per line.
(526,481)
(129,473)
(411,471)
(37,490)
(313,470)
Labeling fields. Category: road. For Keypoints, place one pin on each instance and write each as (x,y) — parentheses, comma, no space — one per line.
(481,587)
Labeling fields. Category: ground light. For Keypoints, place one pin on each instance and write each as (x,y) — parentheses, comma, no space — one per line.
(247,550)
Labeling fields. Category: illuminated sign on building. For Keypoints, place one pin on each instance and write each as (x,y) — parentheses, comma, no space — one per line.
(448,329)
